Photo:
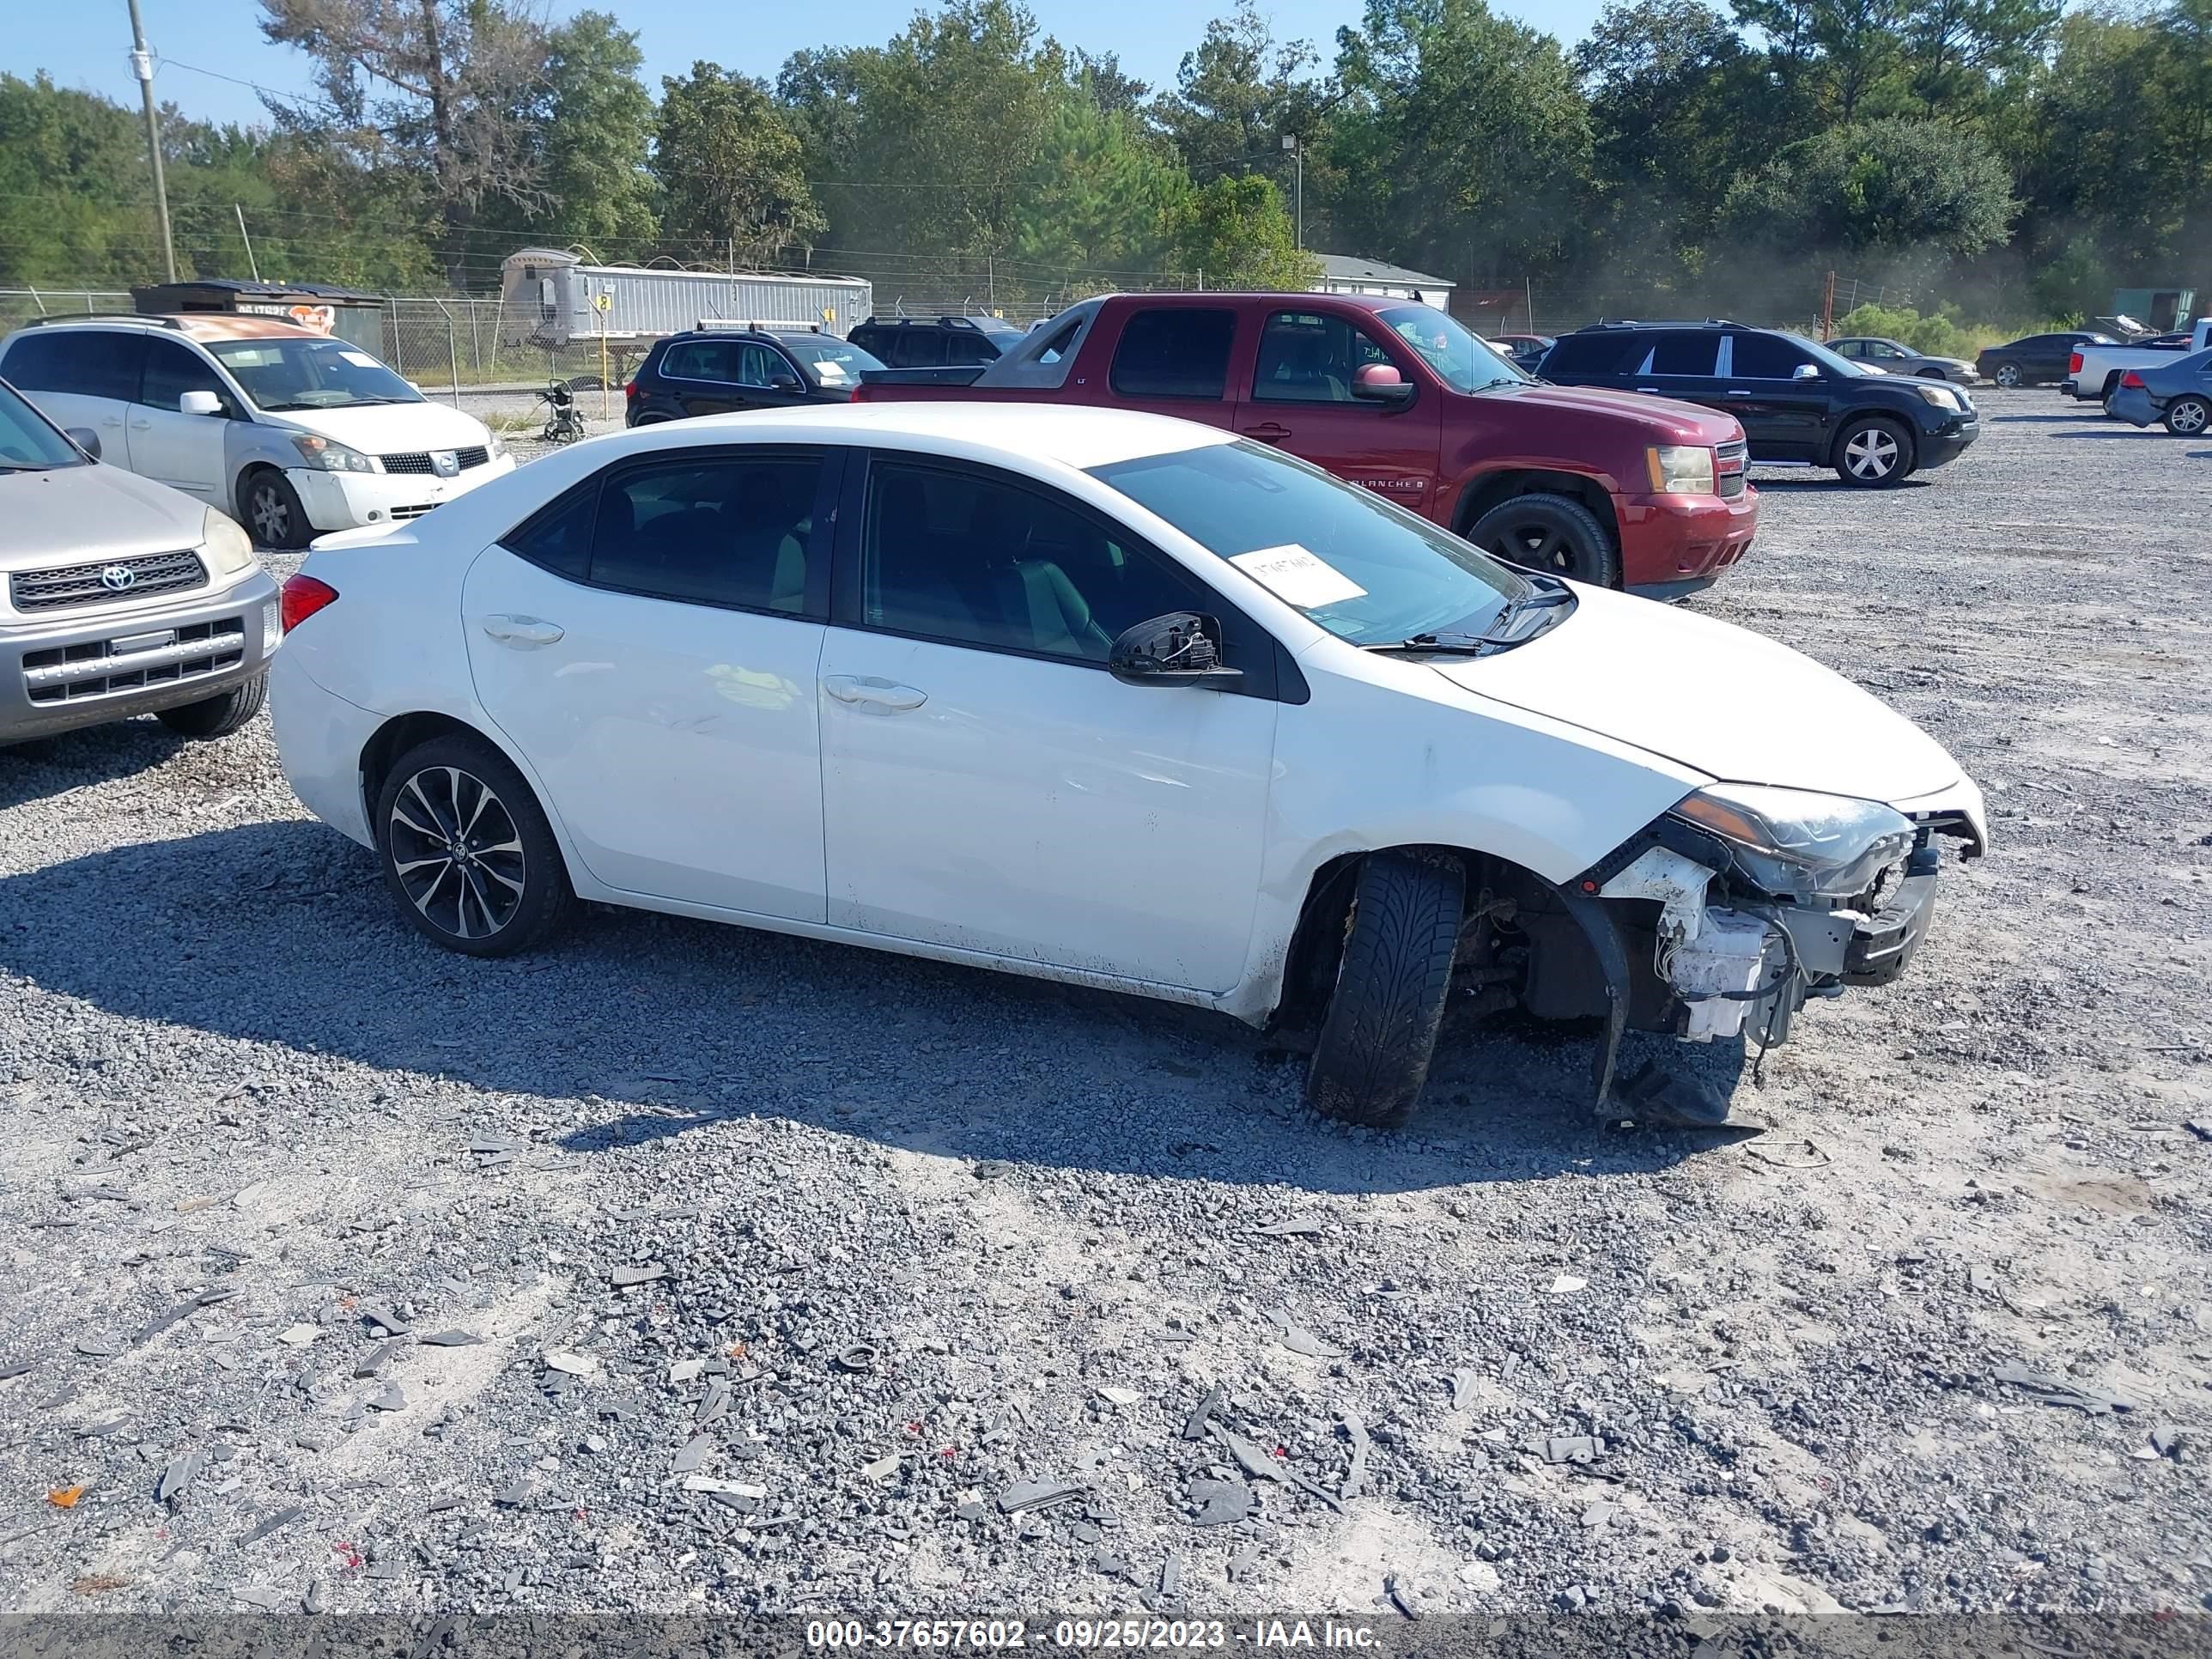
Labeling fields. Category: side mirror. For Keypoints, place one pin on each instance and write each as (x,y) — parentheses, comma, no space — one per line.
(1806,371)
(85,439)
(1380,383)
(1181,648)
(199,402)
(784,380)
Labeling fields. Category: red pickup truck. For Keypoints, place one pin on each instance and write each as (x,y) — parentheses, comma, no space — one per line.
(1609,488)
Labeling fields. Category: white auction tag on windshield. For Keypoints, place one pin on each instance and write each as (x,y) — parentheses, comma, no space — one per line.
(1298,576)
(829,370)
(361,360)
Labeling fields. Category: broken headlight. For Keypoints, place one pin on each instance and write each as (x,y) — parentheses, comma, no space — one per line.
(1796,844)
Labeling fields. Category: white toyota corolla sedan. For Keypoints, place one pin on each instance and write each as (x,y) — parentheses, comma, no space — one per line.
(1110,698)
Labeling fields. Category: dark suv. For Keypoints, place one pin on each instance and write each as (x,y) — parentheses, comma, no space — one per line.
(909,343)
(1800,404)
(716,371)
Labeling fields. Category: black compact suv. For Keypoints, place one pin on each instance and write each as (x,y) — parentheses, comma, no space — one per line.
(716,370)
(936,342)
(1800,403)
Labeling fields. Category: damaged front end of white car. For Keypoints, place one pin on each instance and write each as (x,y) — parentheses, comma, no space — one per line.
(1725,916)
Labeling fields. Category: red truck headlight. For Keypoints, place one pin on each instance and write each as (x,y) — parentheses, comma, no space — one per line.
(1680,470)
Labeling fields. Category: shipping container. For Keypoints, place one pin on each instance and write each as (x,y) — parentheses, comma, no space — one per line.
(554,300)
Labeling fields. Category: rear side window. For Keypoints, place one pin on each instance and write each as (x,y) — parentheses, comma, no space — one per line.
(1765,357)
(1174,352)
(1061,344)
(1594,354)
(724,530)
(969,348)
(559,538)
(89,362)
(698,360)
(918,348)
(1683,354)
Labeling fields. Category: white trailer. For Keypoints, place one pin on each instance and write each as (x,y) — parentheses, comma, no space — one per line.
(552,299)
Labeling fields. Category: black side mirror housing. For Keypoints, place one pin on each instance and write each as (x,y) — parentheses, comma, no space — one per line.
(85,439)
(784,383)
(1181,648)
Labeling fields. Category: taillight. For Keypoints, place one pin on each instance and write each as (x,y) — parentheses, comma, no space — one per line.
(2133,381)
(629,392)
(861,393)
(302,597)
(2074,364)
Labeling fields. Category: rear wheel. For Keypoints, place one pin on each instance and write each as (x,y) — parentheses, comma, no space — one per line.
(219,715)
(2187,417)
(1555,534)
(467,850)
(273,513)
(1380,1032)
(1873,452)
(2007,375)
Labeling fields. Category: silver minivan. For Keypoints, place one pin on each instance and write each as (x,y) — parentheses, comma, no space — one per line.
(123,596)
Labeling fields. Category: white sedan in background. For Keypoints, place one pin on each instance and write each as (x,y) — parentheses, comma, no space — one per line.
(1109,698)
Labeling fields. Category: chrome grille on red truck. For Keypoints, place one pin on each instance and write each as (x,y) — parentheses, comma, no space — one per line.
(1730,461)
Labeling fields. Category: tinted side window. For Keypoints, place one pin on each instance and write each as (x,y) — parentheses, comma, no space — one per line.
(33,363)
(1765,357)
(974,559)
(920,347)
(1594,354)
(92,363)
(1060,344)
(1172,352)
(1307,358)
(171,371)
(558,538)
(969,348)
(698,360)
(719,529)
(1684,354)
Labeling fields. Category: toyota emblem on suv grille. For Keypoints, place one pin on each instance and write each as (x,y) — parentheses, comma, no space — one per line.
(115,578)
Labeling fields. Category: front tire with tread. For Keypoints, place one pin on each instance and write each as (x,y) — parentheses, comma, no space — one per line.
(1553,533)
(1380,1032)
(434,787)
(270,509)
(1860,449)
(219,715)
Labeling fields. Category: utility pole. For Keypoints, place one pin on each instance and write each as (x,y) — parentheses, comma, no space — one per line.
(248,241)
(142,65)
(1292,144)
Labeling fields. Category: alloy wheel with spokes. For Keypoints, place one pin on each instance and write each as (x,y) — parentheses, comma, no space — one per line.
(1872,454)
(273,512)
(455,851)
(2008,376)
(1551,533)
(2187,417)
(467,850)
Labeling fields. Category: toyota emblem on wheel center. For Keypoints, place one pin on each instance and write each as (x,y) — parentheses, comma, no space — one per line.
(117,577)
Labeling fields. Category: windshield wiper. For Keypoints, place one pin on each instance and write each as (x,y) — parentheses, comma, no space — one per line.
(1500,633)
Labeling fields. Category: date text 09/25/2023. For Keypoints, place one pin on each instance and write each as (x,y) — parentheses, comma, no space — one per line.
(1089,1635)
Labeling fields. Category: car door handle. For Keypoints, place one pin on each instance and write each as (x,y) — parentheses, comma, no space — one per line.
(1738,391)
(1268,432)
(871,692)
(1648,388)
(520,630)
(111,420)
(141,426)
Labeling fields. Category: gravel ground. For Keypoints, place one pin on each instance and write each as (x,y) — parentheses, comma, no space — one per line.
(683,1268)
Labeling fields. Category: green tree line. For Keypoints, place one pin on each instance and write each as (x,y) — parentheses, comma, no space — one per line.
(2011,156)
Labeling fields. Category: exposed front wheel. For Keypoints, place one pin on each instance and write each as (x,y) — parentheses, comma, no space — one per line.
(467,851)
(1380,1032)
(219,715)
(2008,376)
(1874,453)
(273,513)
(2187,417)
(1555,534)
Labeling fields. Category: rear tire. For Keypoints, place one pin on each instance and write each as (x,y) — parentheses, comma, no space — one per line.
(1380,1032)
(219,715)
(2008,376)
(2188,417)
(1554,534)
(271,509)
(467,851)
(1873,452)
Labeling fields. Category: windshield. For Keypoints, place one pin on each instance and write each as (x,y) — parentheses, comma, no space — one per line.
(1365,570)
(310,373)
(832,362)
(1465,363)
(29,441)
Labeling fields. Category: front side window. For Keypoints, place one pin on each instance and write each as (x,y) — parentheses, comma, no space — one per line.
(1772,357)
(1308,358)
(972,559)
(717,529)
(1365,570)
(172,371)
(310,373)
(1175,351)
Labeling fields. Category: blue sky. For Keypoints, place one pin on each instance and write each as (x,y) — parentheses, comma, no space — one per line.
(86,44)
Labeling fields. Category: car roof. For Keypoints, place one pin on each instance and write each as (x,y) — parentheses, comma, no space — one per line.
(1072,434)
(194,325)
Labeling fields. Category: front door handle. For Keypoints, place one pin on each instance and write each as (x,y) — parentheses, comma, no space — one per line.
(1737,391)
(141,426)
(1652,389)
(871,692)
(1268,432)
(520,630)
